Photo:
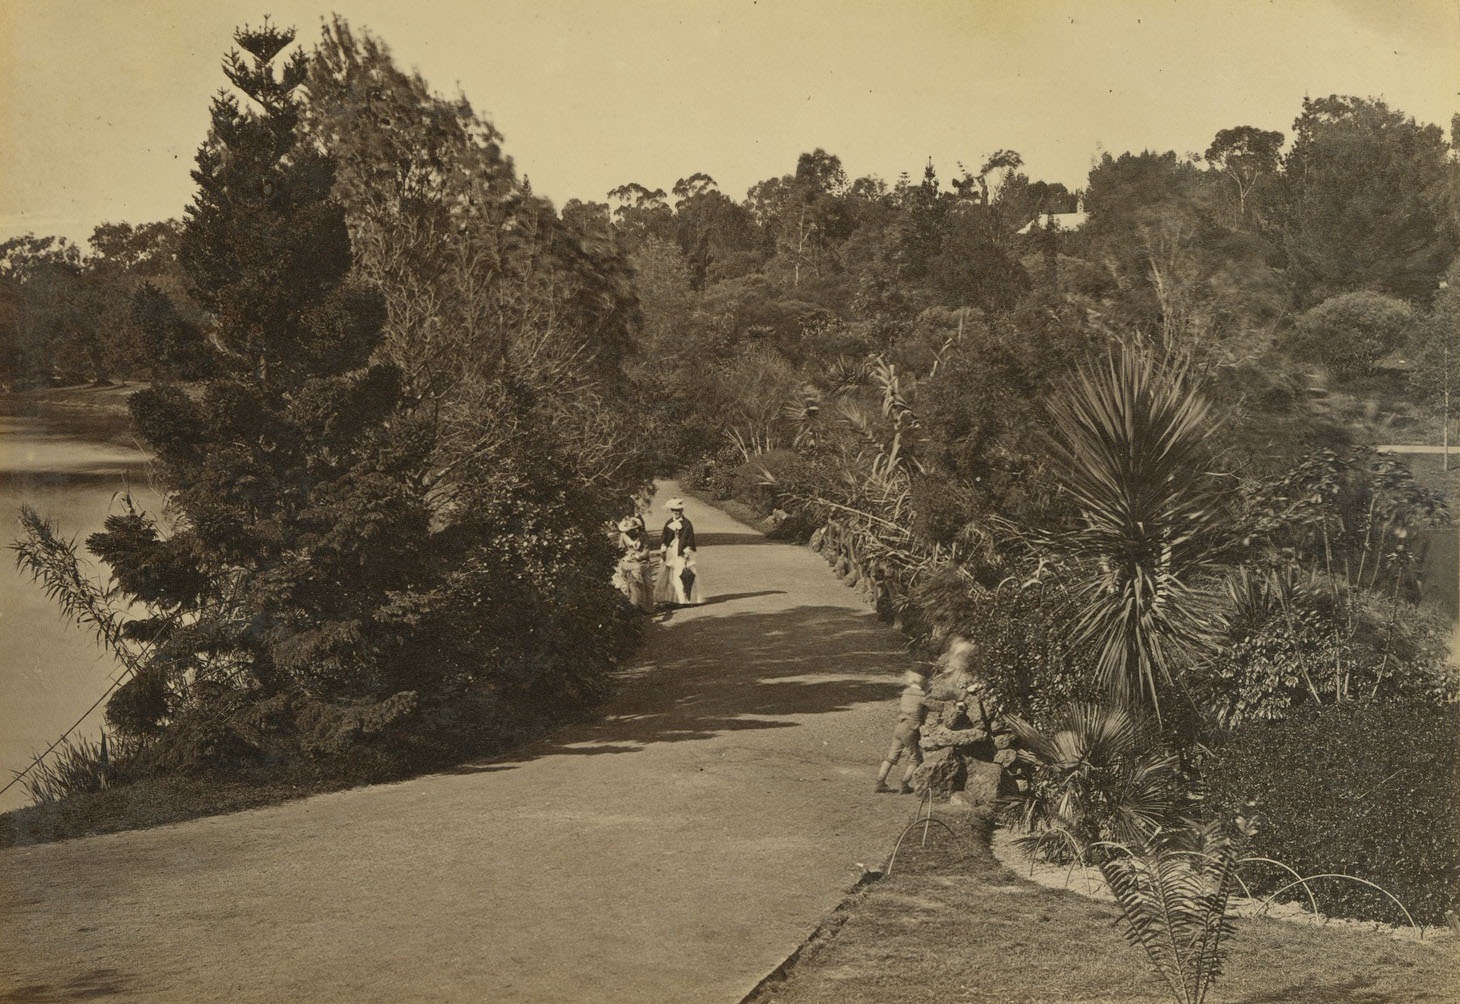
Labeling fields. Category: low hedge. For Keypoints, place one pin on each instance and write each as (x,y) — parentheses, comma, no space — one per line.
(1371,791)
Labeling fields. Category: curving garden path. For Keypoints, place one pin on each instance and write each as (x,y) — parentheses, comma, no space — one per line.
(677,851)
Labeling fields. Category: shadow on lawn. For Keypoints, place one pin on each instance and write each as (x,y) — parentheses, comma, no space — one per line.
(1357,990)
(96,983)
(711,675)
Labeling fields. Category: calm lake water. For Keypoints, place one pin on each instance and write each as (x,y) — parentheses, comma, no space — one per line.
(50,670)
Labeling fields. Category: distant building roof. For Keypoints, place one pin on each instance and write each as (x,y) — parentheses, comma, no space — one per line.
(1058,221)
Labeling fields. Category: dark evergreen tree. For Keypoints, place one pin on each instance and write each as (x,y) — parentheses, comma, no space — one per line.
(1368,206)
(324,581)
(294,474)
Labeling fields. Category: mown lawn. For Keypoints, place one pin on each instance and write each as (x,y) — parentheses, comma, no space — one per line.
(951,924)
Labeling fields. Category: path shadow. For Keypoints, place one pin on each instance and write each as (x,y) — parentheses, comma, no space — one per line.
(749,671)
(704,540)
(95,983)
(727,597)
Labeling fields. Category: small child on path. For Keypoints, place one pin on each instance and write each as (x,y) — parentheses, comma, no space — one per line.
(912,711)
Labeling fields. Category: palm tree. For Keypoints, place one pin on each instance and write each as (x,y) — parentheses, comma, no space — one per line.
(1096,778)
(1131,445)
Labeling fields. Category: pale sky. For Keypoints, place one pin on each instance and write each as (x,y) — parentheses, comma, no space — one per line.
(104,102)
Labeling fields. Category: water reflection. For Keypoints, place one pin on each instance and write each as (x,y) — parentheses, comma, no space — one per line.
(50,670)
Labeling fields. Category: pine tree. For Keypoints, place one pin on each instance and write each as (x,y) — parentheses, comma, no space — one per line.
(294,475)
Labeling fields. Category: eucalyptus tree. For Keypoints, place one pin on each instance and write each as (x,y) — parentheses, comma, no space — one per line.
(1368,201)
(1247,157)
(505,319)
(712,229)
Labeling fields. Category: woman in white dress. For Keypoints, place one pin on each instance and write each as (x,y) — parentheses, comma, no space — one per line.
(679,576)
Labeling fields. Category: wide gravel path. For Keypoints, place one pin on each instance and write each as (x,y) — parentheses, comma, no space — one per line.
(677,851)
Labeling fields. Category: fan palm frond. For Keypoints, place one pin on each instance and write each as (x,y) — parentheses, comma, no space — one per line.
(1097,776)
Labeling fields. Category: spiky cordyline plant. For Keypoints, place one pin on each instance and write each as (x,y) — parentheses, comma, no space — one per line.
(1131,446)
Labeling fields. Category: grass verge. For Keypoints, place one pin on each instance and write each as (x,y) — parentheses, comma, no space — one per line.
(950,923)
(164,799)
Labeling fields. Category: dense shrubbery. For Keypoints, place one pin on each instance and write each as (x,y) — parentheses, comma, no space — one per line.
(1310,645)
(1368,790)
(713,474)
(1026,656)
(1352,332)
(1350,516)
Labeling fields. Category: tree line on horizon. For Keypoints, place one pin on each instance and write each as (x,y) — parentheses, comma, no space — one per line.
(1361,200)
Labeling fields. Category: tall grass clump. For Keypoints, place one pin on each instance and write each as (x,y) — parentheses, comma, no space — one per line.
(75,766)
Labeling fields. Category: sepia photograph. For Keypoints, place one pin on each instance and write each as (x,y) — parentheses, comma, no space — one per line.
(730,502)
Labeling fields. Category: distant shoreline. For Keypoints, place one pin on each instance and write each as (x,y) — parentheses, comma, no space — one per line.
(88,412)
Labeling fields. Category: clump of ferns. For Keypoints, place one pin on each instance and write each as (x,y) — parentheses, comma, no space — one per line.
(1174,891)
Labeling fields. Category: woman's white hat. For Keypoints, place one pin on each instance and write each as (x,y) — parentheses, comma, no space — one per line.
(674,503)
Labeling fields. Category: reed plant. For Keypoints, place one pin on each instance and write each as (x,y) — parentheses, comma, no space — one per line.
(76,766)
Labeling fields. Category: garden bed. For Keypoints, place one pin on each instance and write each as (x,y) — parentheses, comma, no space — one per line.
(1088,882)
(953,923)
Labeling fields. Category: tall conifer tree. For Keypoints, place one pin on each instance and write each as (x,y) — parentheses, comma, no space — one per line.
(294,475)
(321,581)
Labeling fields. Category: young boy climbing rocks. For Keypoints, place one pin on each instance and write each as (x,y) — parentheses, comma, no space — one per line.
(912,710)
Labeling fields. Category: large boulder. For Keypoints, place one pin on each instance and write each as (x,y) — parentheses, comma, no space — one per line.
(942,777)
(937,737)
(983,782)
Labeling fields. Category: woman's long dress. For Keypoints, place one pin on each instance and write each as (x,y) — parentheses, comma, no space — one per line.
(679,556)
(631,575)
